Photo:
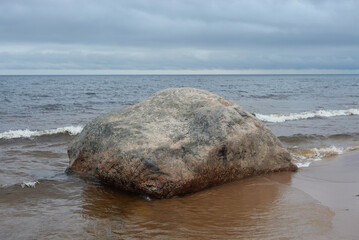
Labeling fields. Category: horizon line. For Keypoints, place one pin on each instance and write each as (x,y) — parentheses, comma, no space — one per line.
(180,72)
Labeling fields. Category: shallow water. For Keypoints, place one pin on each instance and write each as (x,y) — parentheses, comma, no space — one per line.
(39,115)
(69,207)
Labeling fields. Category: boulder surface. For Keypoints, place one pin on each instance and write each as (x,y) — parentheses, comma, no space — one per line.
(175,142)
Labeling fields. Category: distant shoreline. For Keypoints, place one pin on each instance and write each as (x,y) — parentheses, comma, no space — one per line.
(159,73)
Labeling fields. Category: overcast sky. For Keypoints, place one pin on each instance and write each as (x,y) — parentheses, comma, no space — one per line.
(114,36)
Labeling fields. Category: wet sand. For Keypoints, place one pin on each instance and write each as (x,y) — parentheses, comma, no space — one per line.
(318,202)
(264,207)
(335,183)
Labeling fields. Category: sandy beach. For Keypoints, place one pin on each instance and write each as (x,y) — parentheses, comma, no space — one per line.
(334,183)
(318,202)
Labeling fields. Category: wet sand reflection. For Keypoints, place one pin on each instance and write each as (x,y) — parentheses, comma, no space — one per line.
(258,208)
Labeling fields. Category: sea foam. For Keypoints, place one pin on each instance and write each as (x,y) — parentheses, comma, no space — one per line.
(304,157)
(29,184)
(72,130)
(275,118)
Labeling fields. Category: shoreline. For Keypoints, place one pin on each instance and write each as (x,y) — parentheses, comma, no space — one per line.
(334,182)
(318,202)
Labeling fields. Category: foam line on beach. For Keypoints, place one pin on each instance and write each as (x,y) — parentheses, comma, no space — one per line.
(276,118)
(71,130)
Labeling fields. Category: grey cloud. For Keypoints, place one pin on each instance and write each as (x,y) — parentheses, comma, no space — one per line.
(174,23)
(182,34)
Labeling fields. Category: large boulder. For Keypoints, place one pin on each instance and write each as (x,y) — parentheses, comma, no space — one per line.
(175,142)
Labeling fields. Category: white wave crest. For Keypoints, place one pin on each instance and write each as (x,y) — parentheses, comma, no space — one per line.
(72,130)
(304,157)
(29,184)
(305,115)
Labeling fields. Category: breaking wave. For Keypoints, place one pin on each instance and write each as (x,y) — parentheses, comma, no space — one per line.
(276,118)
(71,130)
(30,184)
(304,157)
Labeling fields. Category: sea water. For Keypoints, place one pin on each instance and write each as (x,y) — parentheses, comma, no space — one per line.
(315,116)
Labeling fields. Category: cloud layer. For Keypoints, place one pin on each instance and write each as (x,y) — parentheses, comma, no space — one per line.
(178,35)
